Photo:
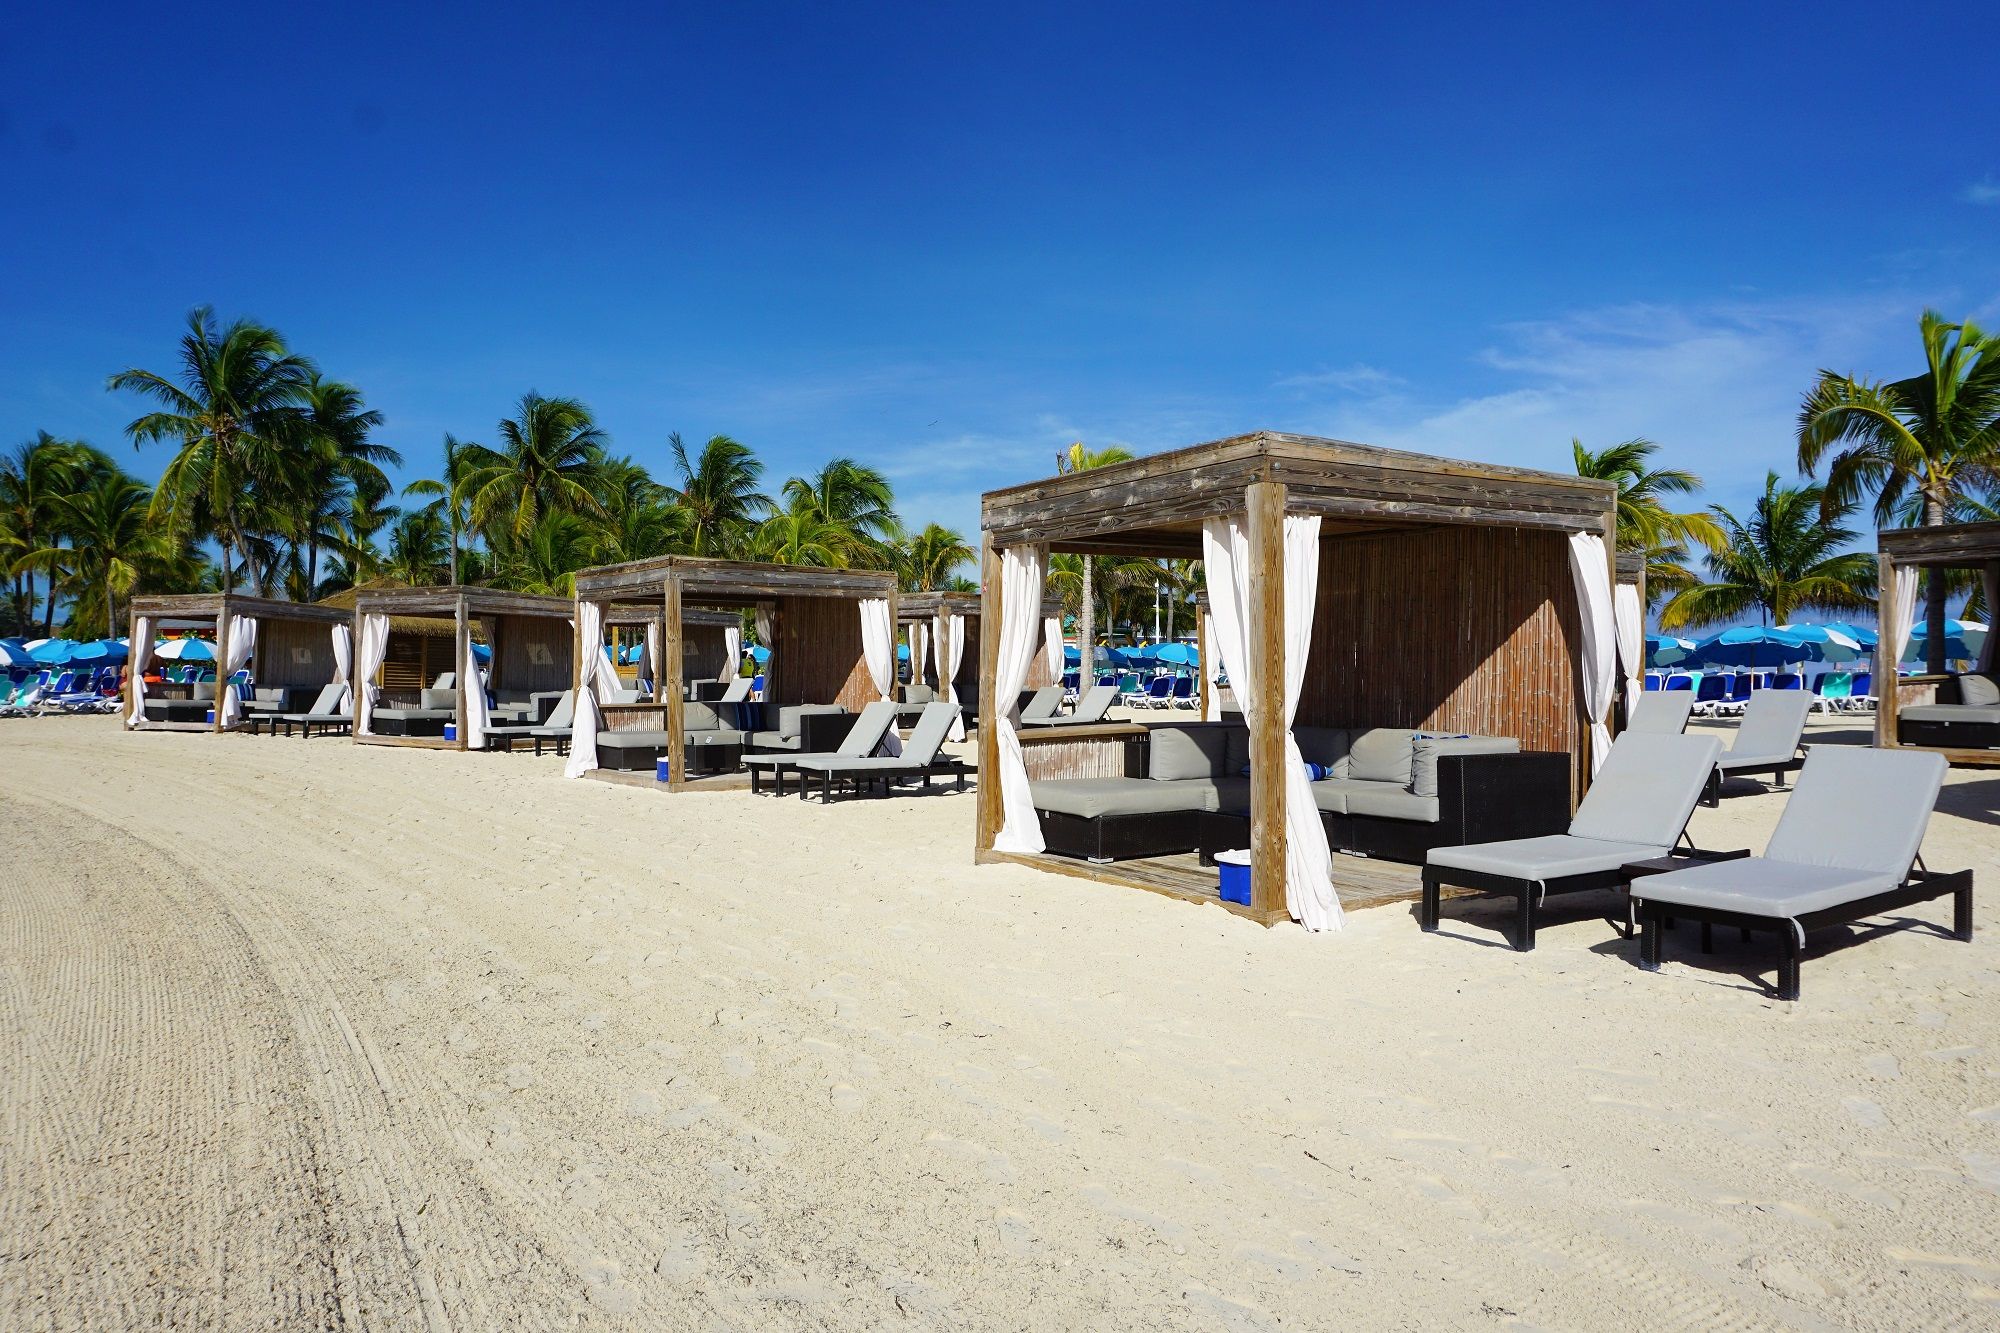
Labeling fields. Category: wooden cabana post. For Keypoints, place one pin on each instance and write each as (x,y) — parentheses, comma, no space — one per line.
(293,647)
(685,591)
(1447,601)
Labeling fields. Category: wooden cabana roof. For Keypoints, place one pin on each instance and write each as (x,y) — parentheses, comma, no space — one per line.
(724,583)
(444,602)
(629,614)
(212,605)
(924,605)
(1953,544)
(1156,505)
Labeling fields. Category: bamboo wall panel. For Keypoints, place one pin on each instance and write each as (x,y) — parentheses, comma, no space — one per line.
(412,662)
(1090,757)
(818,658)
(293,652)
(633,717)
(1452,629)
(530,652)
(704,653)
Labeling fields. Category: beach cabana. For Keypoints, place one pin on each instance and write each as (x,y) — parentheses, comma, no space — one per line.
(943,632)
(1956,715)
(407,638)
(1349,588)
(832,634)
(292,647)
(711,643)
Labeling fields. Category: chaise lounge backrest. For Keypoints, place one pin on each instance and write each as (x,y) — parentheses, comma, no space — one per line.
(928,735)
(1095,703)
(563,715)
(869,727)
(1773,721)
(1859,809)
(1661,714)
(328,702)
(1047,699)
(438,697)
(447,680)
(1646,789)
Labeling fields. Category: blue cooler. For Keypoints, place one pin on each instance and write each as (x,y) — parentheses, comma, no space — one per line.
(660,767)
(211,717)
(1234,869)
(451,731)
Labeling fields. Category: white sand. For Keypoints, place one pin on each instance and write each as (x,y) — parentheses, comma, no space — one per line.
(301,1033)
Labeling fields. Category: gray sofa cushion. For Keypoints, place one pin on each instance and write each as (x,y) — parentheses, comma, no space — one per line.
(788,716)
(1646,789)
(1380,800)
(1381,754)
(1325,746)
(1177,754)
(204,691)
(1978,713)
(1330,794)
(771,740)
(702,717)
(1978,690)
(441,698)
(1089,798)
(631,740)
(1425,752)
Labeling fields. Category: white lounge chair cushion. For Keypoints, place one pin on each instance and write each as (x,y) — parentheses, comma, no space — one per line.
(1757,886)
(1859,809)
(1552,856)
(1661,713)
(1773,721)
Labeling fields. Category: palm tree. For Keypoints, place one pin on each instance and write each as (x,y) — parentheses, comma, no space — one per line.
(799,534)
(543,560)
(450,496)
(1921,444)
(639,520)
(857,501)
(339,456)
(237,419)
(929,559)
(1076,458)
(34,478)
(546,462)
(419,555)
(1791,555)
(717,497)
(112,539)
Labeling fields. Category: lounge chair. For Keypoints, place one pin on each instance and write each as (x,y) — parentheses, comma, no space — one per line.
(862,739)
(1637,809)
(919,759)
(1042,706)
(1846,848)
(325,714)
(1661,714)
(556,731)
(1096,702)
(1767,740)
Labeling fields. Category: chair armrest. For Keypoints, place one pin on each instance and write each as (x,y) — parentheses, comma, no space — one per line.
(1494,797)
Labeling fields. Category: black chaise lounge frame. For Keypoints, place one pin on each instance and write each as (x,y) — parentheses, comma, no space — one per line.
(1527,911)
(1922,885)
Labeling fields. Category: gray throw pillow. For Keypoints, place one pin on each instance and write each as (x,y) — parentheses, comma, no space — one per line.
(1978,690)
(1177,754)
(1381,754)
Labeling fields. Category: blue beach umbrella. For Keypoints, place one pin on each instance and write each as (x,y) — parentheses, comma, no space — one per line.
(1750,646)
(92,653)
(52,652)
(185,650)
(1663,650)
(902,652)
(1177,654)
(115,650)
(759,653)
(13,655)
(1962,641)
(1828,644)
(481,654)
(1071,656)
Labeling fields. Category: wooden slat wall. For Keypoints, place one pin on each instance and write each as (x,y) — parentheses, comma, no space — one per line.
(292,652)
(1094,757)
(1455,629)
(530,652)
(412,662)
(818,656)
(704,654)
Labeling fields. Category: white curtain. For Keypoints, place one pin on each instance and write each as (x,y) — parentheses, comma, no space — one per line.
(1990,580)
(140,653)
(1020,617)
(920,647)
(343,664)
(732,640)
(1052,647)
(1210,668)
(1895,634)
(473,690)
(374,647)
(1309,893)
(593,674)
(878,649)
(653,657)
(950,653)
(242,643)
(1592,574)
(1631,618)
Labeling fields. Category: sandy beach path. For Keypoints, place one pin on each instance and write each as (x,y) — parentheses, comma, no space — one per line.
(313,1035)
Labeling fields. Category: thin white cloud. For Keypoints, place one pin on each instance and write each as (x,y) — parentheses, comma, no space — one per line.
(1357,378)
(1982,192)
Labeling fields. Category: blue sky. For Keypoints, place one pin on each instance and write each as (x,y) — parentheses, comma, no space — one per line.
(950,239)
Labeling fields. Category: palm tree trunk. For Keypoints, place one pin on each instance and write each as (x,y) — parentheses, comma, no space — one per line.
(1086,633)
(1934,599)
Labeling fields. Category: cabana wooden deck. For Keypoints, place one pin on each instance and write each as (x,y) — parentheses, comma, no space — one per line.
(1445,601)
(1952,546)
(293,645)
(530,637)
(816,648)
